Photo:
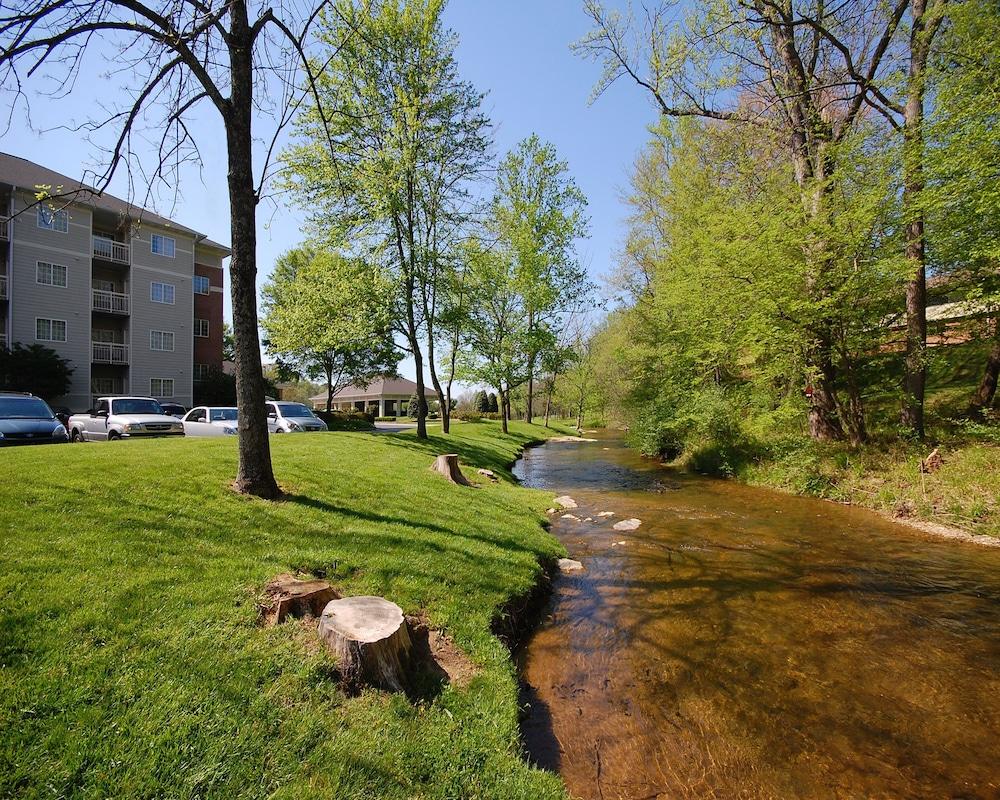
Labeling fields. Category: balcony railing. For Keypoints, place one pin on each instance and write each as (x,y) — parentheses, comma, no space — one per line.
(3,339)
(3,287)
(109,353)
(108,249)
(4,228)
(110,302)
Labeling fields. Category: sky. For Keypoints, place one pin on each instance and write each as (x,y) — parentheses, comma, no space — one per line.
(515,50)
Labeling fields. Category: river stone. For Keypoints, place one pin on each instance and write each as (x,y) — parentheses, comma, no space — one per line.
(565,501)
(570,516)
(627,525)
(588,519)
(606,514)
(569,565)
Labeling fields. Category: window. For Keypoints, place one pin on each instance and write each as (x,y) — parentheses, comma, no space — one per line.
(50,330)
(161,387)
(161,293)
(161,340)
(201,372)
(162,245)
(52,220)
(201,285)
(200,327)
(50,274)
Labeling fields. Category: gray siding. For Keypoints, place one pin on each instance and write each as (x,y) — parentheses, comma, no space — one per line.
(29,299)
(148,268)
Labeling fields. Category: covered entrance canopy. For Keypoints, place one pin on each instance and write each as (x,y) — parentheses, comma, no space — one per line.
(383,397)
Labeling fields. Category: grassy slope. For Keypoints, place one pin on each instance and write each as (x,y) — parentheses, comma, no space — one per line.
(131,663)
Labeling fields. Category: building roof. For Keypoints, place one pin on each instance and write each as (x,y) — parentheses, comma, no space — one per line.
(376,389)
(25,174)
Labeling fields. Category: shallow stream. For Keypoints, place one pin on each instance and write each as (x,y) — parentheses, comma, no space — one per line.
(747,644)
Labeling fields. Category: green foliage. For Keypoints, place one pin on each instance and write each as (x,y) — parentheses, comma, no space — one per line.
(493,406)
(34,368)
(480,402)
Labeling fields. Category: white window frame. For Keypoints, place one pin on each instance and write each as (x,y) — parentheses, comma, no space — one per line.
(163,385)
(52,268)
(163,340)
(51,321)
(47,219)
(163,293)
(201,371)
(163,239)
(198,325)
(208,284)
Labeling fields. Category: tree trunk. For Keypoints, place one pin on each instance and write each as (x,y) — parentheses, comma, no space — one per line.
(370,640)
(529,414)
(255,475)
(548,405)
(915,366)
(447,465)
(329,390)
(445,412)
(504,410)
(987,389)
(824,424)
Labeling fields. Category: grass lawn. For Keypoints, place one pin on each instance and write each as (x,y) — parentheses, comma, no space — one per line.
(131,660)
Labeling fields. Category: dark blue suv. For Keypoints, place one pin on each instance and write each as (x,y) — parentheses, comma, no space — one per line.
(26,419)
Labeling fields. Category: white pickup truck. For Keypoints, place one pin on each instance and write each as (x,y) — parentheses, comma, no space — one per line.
(116,418)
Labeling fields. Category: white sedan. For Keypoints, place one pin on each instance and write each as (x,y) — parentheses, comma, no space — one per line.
(211,421)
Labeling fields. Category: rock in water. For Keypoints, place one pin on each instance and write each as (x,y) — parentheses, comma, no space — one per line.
(371,641)
(569,565)
(447,465)
(570,516)
(606,514)
(565,501)
(627,525)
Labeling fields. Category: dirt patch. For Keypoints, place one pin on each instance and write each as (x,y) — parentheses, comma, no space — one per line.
(518,617)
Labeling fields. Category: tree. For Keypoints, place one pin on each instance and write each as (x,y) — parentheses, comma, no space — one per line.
(494,404)
(228,343)
(384,157)
(36,369)
(480,402)
(413,406)
(330,316)
(537,211)
(178,55)
(766,64)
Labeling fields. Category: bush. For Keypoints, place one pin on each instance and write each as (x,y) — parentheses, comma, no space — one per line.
(467,414)
(354,421)
(36,369)
(385,419)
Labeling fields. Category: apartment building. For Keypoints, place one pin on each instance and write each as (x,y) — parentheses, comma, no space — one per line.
(132,299)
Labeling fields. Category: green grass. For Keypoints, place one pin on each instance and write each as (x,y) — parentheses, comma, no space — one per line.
(131,659)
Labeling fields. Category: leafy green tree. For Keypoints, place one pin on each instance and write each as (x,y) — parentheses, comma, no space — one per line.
(413,406)
(538,212)
(494,405)
(480,402)
(329,316)
(34,368)
(384,160)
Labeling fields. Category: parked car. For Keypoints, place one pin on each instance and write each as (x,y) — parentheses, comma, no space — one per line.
(173,410)
(292,417)
(116,418)
(26,419)
(211,421)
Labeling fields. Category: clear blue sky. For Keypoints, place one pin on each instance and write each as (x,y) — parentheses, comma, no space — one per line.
(516,50)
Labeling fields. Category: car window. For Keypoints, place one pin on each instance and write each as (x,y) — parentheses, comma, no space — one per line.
(136,405)
(103,405)
(224,414)
(24,408)
(272,411)
(295,410)
(193,414)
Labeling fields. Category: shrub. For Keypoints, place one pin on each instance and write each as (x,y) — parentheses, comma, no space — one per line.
(385,419)
(36,369)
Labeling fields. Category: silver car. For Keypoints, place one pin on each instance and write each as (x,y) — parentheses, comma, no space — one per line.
(292,418)
(211,421)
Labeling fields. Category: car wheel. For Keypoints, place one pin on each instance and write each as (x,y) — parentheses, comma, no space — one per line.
(114,436)
(76,436)
(278,430)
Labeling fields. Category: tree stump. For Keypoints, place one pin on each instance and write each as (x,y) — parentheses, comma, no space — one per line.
(371,641)
(288,596)
(447,465)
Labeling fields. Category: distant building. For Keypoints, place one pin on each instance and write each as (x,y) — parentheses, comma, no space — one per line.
(384,397)
(132,299)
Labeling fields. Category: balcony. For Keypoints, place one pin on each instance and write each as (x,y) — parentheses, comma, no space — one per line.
(107,249)
(110,302)
(3,287)
(109,353)
(4,230)
(3,340)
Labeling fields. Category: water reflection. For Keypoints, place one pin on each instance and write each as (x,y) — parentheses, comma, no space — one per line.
(743,643)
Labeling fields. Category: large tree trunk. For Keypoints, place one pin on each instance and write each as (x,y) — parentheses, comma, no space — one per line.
(528,415)
(504,409)
(445,412)
(915,366)
(987,389)
(418,361)
(824,423)
(329,390)
(255,475)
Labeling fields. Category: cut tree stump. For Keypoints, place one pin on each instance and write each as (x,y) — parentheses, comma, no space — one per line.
(447,465)
(371,641)
(288,596)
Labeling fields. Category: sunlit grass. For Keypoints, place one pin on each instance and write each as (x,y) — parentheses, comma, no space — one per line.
(131,661)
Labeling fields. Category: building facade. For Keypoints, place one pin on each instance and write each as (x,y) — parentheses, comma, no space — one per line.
(131,299)
(383,397)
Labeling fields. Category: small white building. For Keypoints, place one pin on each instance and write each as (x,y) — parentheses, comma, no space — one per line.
(383,397)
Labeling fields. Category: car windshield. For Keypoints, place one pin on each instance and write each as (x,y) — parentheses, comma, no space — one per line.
(224,414)
(134,405)
(295,410)
(24,408)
